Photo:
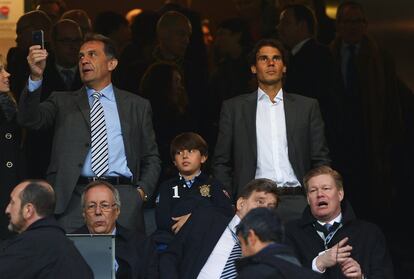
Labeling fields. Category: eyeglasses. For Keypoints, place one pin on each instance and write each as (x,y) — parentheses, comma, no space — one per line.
(103,206)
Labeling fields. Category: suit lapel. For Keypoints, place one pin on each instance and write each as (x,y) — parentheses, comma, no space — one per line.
(290,119)
(290,115)
(249,115)
(83,104)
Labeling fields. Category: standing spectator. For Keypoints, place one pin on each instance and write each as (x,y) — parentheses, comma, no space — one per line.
(162,85)
(270,133)
(100,132)
(11,161)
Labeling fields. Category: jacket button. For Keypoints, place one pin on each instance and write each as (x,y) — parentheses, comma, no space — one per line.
(9,164)
(8,136)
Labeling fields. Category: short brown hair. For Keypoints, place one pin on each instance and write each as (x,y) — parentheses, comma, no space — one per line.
(320,171)
(188,140)
(260,185)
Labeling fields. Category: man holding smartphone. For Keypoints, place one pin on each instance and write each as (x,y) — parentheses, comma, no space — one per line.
(101,133)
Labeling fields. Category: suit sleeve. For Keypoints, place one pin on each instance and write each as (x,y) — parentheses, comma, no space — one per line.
(380,265)
(150,165)
(222,159)
(318,144)
(33,114)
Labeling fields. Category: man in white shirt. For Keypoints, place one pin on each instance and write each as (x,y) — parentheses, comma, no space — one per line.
(206,245)
(270,134)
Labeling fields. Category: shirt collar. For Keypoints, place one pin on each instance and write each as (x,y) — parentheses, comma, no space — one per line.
(299,46)
(344,48)
(190,182)
(261,95)
(107,92)
(233,223)
(337,219)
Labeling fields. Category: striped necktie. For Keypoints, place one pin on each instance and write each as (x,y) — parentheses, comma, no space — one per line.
(99,142)
(229,270)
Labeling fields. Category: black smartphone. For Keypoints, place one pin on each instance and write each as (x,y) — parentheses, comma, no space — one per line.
(38,38)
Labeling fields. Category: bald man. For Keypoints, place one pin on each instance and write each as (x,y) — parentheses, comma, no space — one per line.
(41,249)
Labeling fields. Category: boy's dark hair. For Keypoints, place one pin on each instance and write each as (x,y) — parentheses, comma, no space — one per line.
(271,43)
(188,140)
(265,223)
(260,185)
(42,198)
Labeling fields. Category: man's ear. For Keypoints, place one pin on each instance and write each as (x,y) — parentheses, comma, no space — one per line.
(240,203)
(253,69)
(112,64)
(28,211)
(203,158)
(284,69)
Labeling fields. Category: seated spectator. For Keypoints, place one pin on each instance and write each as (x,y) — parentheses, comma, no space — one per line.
(261,234)
(41,250)
(135,255)
(330,239)
(189,189)
(207,245)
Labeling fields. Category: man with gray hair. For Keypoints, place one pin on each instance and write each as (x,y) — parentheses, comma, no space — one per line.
(41,249)
(135,255)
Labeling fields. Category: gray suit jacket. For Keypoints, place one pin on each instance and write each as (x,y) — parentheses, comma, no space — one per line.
(235,156)
(68,111)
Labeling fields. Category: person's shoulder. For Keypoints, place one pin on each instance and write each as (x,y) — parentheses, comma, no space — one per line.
(130,96)
(241,98)
(299,98)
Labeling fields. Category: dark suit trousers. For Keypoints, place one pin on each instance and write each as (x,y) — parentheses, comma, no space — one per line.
(131,216)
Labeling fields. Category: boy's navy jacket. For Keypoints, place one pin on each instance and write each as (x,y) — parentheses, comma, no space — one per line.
(176,199)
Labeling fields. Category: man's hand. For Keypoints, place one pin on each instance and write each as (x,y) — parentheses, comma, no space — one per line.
(142,194)
(37,62)
(180,221)
(351,269)
(336,254)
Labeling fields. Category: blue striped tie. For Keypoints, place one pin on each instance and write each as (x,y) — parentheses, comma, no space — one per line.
(99,142)
(229,270)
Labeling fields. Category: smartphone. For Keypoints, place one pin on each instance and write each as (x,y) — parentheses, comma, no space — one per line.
(38,38)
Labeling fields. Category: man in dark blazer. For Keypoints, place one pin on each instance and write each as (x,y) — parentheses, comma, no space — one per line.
(132,164)
(41,249)
(204,244)
(270,133)
(330,239)
(311,72)
(135,255)
(261,233)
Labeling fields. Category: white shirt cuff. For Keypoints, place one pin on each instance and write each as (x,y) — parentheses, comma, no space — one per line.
(314,267)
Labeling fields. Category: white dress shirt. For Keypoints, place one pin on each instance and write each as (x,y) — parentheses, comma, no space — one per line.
(272,149)
(215,263)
